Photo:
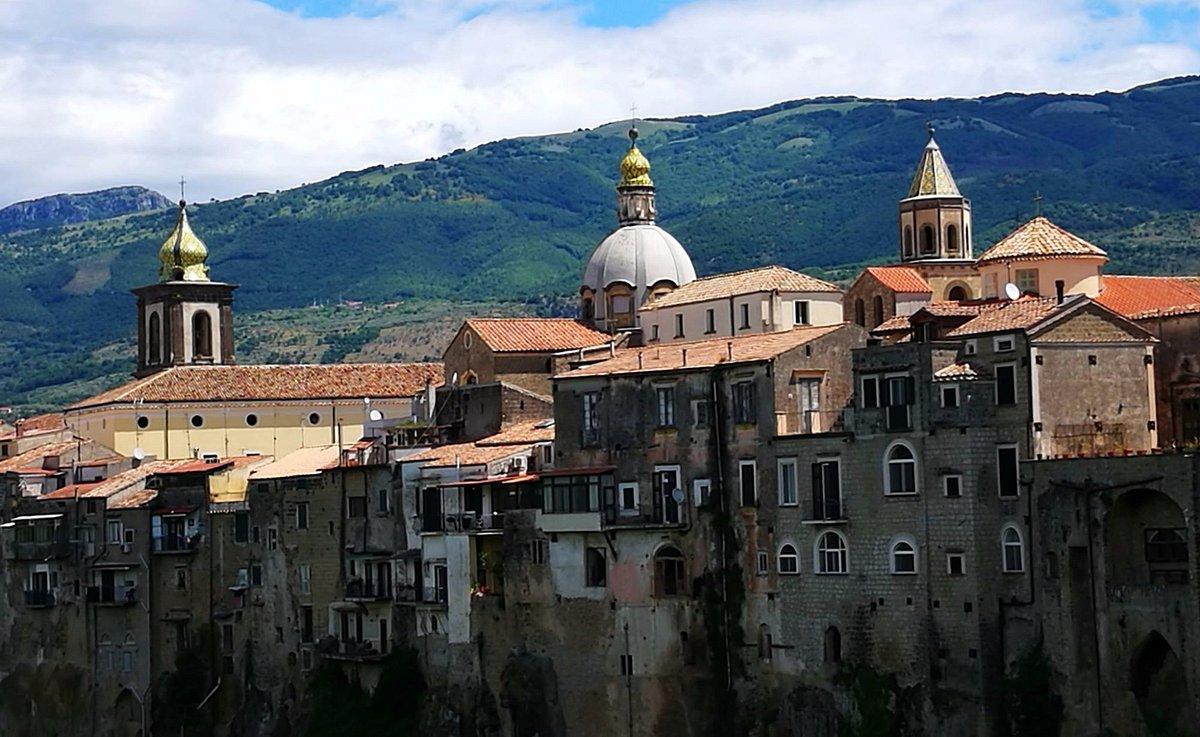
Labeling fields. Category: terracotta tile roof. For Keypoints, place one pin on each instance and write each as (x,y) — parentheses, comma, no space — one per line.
(36,425)
(904,279)
(33,457)
(269,382)
(465,454)
(132,498)
(702,353)
(534,431)
(894,324)
(535,334)
(1038,239)
(116,483)
(748,281)
(1150,296)
(1008,316)
(953,309)
(956,372)
(301,462)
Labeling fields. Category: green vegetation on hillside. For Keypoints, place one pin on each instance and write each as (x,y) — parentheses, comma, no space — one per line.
(811,184)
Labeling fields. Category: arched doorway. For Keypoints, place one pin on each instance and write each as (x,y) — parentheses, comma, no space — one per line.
(1145,542)
(1158,681)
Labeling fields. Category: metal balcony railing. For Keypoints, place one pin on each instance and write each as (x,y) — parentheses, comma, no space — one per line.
(41,550)
(359,589)
(114,595)
(40,598)
(173,544)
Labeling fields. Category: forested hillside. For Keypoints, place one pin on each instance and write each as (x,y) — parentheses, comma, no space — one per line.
(811,184)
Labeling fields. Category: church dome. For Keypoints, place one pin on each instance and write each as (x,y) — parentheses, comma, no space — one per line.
(640,256)
(183,255)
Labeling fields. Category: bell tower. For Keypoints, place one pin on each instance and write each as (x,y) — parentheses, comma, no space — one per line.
(186,318)
(935,219)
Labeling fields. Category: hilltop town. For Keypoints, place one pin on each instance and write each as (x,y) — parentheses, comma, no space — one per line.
(956,497)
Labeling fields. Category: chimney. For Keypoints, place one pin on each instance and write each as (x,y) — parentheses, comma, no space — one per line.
(639,359)
(729,349)
(1059,286)
(684,353)
(612,349)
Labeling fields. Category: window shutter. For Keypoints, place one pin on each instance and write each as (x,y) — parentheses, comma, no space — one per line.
(910,390)
(833,498)
(817,497)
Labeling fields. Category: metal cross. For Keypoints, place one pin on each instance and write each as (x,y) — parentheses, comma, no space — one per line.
(1037,203)
(182,182)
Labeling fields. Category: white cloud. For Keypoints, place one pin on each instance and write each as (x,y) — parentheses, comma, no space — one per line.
(241,97)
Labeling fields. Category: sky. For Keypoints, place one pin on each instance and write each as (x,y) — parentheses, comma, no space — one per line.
(242,96)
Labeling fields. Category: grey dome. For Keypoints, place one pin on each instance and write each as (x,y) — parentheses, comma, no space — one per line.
(641,256)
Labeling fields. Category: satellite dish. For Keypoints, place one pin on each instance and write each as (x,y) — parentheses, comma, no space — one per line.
(375,415)
(677,495)
(138,454)
(1012,291)
(367,401)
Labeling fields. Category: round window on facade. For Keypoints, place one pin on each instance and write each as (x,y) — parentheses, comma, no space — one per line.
(143,422)
(197,421)
(251,420)
(314,419)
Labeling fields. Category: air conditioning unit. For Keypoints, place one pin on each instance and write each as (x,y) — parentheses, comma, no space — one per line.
(210,457)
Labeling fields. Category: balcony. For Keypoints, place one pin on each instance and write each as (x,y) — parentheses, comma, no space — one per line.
(358,651)
(174,544)
(359,590)
(44,550)
(39,598)
(407,594)
(435,595)
(808,422)
(112,595)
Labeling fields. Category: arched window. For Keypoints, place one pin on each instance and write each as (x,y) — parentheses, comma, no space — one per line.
(589,308)
(927,245)
(831,555)
(860,313)
(900,469)
(833,645)
(670,572)
(908,240)
(1013,549)
(904,556)
(202,343)
(789,559)
(154,339)
(878,310)
(966,237)
(951,239)
(957,293)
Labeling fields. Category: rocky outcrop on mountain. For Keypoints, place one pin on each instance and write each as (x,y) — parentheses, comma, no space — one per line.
(64,209)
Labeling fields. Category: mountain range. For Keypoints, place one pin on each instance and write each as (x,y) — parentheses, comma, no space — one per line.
(811,184)
(64,209)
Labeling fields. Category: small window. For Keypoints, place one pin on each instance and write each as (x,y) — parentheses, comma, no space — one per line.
(745,312)
(701,491)
(629,498)
(870,392)
(789,559)
(197,421)
(950,396)
(970,348)
(305,578)
(256,575)
(1027,281)
(314,418)
(956,564)
(665,398)
(251,420)
(670,572)
(788,496)
(1006,384)
(700,412)
(1008,471)
(745,411)
(590,420)
(273,538)
(748,482)
(860,313)
(143,422)
(901,470)
(241,527)
(539,552)
(710,321)
(878,308)
(1013,549)
(904,558)
(679,326)
(1003,344)
(356,507)
(595,568)
(801,312)
(654,331)
(763,563)
(952,486)
(831,556)
(301,515)
(382,501)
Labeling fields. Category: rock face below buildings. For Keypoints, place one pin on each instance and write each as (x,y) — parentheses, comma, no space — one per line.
(64,209)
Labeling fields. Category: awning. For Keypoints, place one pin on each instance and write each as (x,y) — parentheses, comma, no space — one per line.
(521,479)
(592,471)
(35,517)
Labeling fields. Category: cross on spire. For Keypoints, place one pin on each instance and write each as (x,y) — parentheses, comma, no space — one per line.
(182,182)
(1037,203)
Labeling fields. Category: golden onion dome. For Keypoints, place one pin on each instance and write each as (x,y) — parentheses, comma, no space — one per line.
(635,167)
(183,254)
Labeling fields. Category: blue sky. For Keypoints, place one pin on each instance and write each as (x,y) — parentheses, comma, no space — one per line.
(595,13)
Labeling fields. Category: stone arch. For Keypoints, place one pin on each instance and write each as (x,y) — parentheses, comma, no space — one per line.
(958,291)
(154,338)
(127,714)
(202,342)
(877,305)
(670,572)
(860,313)
(951,239)
(1158,680)
(928,245)
(833,644)
(1145,541)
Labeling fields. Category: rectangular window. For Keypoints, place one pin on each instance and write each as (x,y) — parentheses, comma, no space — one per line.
(970,348)
(952,485)
(870,392)
(1008,471)
(595,566)
(590,420)
(241,527)
(748,478)
(654,331)
(679,326)
(626,665)
(1003,344)
(272,538)
(356,507)
(710,321)
(900,396)
(181,577)
(305,578)
(1027,281)
(700,411)
(826,490)
(763,563)
(256,576)
(801,312)
(665,396)
(701,491)
(950,396)
(745,312)
(1006,384)
(306,623)
(227,637)
(744,410)
(787,483)
(301,515)
(114,532)
(382,503)
(629,499)
(956,564)
(539,553)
